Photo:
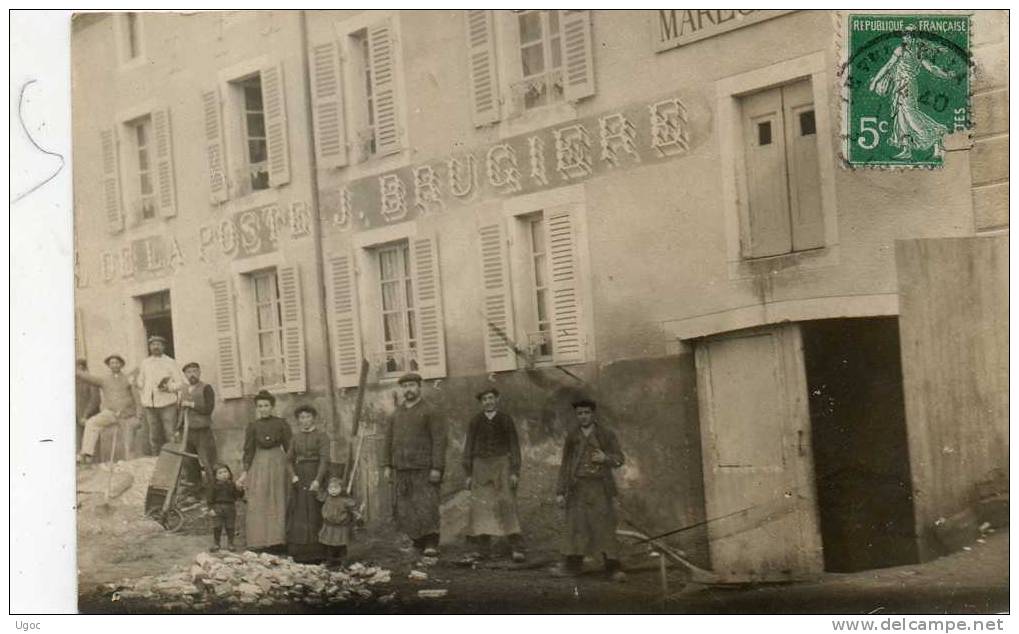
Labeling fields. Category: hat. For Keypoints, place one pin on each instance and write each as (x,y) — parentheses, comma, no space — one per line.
(191,364)
(305,408)
(584,402)
(158,338)
(410,377)
(114,356)
(265,396)
(81,361)
(487,390)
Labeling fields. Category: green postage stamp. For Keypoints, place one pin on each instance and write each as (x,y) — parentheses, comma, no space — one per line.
(906,86)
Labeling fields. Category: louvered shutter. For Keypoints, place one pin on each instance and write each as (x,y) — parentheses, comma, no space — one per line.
(214,146)
(166,193)
(111,181)
(293,328)
(342,296)
(276,139)
(498,306)
(568,336)
(229,384)
(327,106)
(428,305)
(578,58)
(481,67)
(383,72)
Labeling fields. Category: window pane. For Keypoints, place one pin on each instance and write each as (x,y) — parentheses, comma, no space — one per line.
(539,271)
(267,344)
(530,27)
(391,296)
(256,124)
(541,300)
(389,264)
(410,294)
(411,327)
(253,95)
(265,316)
(553,21)
(393,328)
(557,53)
(532,60)
(146,184)
(405,258)
(256,151)
(537,236)
(261,288)
(807,124)
(148,208)
(142,136)
(764,133)
(143,159)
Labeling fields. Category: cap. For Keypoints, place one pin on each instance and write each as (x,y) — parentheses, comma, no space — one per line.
(410,377)
(191,364)
(114,356)
(487,390)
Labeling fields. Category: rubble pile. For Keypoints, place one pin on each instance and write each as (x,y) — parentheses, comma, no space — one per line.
(251,579)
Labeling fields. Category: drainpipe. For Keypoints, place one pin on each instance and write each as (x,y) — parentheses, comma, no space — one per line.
(316,225)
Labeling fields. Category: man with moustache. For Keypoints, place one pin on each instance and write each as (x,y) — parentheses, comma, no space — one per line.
(198,399)
(414,457)
(158,380)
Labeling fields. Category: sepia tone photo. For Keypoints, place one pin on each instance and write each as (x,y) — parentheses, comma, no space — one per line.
(541,311)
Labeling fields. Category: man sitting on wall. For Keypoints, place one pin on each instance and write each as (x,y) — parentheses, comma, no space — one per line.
(158,381)
(117,406)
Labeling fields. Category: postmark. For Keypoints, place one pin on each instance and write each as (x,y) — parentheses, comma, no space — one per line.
(906,85)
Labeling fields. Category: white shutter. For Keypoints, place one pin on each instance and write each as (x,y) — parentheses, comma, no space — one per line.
(276,140)
(802,165)
(481,67)
(342,297)
(767,190)
(568,337)
(578,58)
(431,342)
(292,313)
(111,180)
(214,151)
(166,194)
(229,385)
(383,70)
(498,303)
(327,106)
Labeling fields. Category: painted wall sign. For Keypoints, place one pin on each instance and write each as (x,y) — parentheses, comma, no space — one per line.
(150,257)
(547,158)
(254,231)
(675,27)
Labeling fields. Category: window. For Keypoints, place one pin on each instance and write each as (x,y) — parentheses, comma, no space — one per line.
(782,173)
(539,340)
(399,326)
(269,327)
(541,57)
(256,151)
(364,113)
(145,200)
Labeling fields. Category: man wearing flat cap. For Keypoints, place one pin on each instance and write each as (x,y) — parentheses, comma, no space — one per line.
(414,457)
(491,460)
(158,381)
(198,399)
(117,406)
(587,490)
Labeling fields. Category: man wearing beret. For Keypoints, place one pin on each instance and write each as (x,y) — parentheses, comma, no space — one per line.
(117,405)
(158,381)
(587,490)
(198,399)
(414,457)
(491,460)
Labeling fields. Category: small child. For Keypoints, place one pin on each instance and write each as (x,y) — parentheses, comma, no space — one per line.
(223,496)
(337,518)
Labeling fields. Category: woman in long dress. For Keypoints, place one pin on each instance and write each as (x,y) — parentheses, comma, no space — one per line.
(266,474)
(912,129)
(309,457)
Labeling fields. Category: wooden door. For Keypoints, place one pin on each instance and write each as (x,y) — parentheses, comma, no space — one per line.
(758,467)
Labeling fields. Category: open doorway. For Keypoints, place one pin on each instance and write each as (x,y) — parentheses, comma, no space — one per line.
(861,458)
(156,319)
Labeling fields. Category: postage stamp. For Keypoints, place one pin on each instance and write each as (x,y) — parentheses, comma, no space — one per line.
(906,80)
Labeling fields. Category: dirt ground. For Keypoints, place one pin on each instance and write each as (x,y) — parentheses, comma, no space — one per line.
(117,543)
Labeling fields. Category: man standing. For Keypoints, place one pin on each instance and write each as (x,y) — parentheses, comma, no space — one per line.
(414,457)
(492,462)
(198,400)
(117,406)
(158,381)
(587,489)
(86,401)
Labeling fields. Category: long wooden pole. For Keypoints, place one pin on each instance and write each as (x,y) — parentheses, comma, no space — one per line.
(355,428)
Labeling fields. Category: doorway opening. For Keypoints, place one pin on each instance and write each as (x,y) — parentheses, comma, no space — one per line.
(156,319)
(861,456)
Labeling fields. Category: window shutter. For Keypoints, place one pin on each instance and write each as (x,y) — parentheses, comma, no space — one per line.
(214,146)
(111,180)
(498,306)
(327,106)
(277,144)
(166,194)
(383,71)
(342,287)
(578,59)
(229,385)
(802,164)
(293,328)
(80,350)
(481,67)
(568,337)
(428,303)
(767,191)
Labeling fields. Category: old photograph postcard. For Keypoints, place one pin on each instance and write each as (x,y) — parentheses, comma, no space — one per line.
(541,311)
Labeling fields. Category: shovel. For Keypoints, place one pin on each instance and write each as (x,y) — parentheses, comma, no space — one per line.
(104,506)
